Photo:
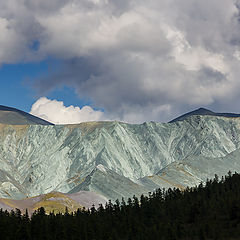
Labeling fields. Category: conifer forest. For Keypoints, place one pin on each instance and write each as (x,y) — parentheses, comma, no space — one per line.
(208,211)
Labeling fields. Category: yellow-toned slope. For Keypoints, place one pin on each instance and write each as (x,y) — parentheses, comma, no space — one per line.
(54,201)
(57,202)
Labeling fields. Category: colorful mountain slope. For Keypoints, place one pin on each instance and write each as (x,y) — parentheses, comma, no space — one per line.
(54,201)
(115,159)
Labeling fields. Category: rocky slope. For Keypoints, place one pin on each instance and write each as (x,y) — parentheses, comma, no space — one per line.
(115,159)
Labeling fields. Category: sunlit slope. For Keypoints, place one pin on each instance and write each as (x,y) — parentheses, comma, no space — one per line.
(54,201)
(37,159)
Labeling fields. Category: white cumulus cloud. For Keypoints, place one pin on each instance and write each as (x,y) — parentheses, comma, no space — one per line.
(54,111)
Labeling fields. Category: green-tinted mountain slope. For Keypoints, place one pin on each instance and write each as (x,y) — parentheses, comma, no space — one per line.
(36,159)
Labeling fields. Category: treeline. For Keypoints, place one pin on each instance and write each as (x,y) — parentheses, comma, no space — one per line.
(209,211)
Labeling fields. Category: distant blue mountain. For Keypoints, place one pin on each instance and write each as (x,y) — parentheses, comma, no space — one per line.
(204,112)
(13,116)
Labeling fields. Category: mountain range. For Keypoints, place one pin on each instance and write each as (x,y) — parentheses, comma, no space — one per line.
(110,160)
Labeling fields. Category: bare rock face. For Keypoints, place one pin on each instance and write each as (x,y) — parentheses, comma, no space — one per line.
(115,159)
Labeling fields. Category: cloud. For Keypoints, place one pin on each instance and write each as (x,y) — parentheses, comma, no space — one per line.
(138,60)
(54,111)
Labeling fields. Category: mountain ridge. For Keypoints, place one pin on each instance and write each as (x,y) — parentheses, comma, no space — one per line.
(116,159)
(204,112)
(42,159)
(14,116)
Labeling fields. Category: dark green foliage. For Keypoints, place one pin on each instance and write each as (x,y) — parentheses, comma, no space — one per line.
(210,211)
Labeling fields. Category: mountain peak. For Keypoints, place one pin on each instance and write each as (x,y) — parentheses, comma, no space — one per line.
(13,116)
(204,112)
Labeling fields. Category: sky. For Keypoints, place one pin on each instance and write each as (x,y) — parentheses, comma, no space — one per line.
(69,61)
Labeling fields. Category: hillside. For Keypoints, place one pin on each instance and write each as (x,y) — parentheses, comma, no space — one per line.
(115,159)
(54,201)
